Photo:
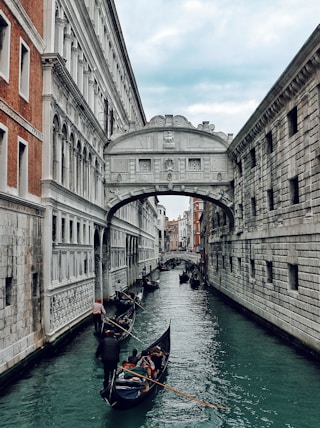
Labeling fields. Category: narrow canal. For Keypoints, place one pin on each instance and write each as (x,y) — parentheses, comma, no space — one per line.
(218,356)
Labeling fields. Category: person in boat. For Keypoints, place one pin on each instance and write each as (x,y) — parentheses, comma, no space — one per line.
(146,362)
(109,352)
(157,355)
(133,358)
(97,312)
(118,289)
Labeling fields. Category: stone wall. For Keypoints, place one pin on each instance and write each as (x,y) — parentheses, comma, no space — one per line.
(269,262)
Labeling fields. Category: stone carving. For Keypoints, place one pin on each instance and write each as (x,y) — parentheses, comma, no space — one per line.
(169,164)
(168,139)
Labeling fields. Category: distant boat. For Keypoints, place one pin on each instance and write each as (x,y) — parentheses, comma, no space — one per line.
(183,278)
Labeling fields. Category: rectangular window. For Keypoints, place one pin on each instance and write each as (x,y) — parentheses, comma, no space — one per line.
(63,229)
(293,121)
(3,157)
(239,264)
(71,231)
(239,165)
(253,160)
(5,29)
(54,228)
(253,207)
(194,164)
(252,268)
(24,70)
(269,272)
(294,190)
(230,262)
(270,199)
(293,277)
(9,291)
(78,232)
(269,142)
(23,170)
(35,284)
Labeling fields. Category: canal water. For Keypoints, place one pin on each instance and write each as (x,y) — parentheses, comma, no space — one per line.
(218,356)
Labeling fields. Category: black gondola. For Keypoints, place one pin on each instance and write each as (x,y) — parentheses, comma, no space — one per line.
(126,390)
(121,325)
(183,278)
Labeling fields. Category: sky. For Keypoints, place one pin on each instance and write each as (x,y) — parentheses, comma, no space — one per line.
(211,60)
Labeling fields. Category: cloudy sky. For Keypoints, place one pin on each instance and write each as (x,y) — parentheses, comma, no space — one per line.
(211,60)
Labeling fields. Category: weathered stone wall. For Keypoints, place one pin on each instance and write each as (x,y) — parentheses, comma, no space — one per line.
(20,278)
(269,263)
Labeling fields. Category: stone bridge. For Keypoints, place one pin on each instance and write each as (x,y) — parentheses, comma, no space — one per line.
(169,156)
(182,255)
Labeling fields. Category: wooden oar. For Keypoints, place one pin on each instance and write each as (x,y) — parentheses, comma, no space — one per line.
(204,403)
(127,295)
(127,331)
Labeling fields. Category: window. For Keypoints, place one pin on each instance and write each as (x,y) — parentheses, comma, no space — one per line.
(194,164)
(293,121)
(3,157)
(269,272)
(294,190)
(230,262)
(54,228)
(63,229)
(239,165)
(253,157)
(252,268)
(293,277)
(269,142)
(71,231)
(24,70)
(8,291)
(253,207)
(23,170)
(239,264)
(4,47)
(270,199)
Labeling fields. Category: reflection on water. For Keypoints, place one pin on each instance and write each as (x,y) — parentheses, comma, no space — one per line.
(218,356)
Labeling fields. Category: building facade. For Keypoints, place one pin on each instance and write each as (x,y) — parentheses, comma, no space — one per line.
(21,211)
(74,89)
(269,261)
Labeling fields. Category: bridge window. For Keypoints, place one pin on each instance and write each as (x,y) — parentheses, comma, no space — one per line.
(144,164)
(194,164)
(293,121)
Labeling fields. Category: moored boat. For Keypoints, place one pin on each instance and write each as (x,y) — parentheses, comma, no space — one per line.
(129,386)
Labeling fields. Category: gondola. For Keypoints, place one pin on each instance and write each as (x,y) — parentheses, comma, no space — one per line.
(122,324)
(126,390)
(183,278)
(150,285)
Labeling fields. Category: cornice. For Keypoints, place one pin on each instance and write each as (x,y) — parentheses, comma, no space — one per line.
(290,83)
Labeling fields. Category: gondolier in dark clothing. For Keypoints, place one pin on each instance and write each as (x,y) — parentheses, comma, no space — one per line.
(109,352)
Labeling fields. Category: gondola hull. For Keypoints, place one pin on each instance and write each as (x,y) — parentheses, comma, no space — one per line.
(121,394)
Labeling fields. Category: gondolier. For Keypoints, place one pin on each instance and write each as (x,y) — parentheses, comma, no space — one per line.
(97,312)
(109,352)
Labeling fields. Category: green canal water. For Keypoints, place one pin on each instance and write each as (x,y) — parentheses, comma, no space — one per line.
(218,356)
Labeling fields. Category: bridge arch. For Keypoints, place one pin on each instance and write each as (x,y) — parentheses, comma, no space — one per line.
(169,156)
